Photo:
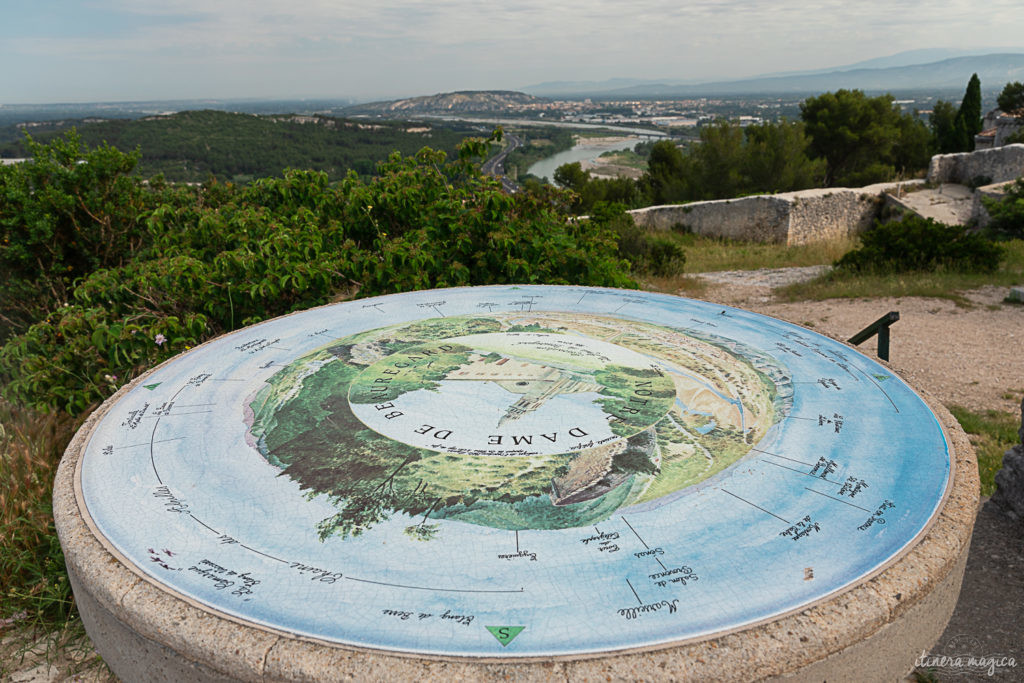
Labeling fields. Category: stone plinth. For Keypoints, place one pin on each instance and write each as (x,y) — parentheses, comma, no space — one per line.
(829,543)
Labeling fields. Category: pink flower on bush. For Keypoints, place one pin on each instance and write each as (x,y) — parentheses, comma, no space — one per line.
(160,339)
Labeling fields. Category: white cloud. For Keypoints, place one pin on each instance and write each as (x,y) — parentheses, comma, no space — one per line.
(392,46)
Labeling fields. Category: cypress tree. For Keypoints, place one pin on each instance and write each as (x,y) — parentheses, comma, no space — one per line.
(968,118)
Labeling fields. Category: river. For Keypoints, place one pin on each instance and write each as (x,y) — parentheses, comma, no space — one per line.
(584,150)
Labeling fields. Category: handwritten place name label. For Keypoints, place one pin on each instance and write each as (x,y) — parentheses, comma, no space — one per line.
(171,502)
(802,528)
(852,486)
(199,379)
(256,345)
(405,615)
(680,575)
(824,467)
(518,554)
(877,518)
(135,417)
(650,552)
(223,578)
(320,575)
(603,541)
(164,409)
(836,421)
(568,347)
(787,349)
(641,610)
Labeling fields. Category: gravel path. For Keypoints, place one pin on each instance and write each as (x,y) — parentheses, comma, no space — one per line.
(968,356)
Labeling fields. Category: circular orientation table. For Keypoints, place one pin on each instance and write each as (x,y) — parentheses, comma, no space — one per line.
(523,481)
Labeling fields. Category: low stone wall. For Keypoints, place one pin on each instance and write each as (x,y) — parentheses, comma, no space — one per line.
(979,214)
(998,165)
(824,213)
(788,218)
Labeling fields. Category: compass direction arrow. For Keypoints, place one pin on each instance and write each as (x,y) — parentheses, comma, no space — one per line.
(151,387)
(505,634)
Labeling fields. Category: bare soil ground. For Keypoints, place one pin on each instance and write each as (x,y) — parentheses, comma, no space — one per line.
(970,356)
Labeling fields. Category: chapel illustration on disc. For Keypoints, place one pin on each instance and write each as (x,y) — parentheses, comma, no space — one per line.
(514,471)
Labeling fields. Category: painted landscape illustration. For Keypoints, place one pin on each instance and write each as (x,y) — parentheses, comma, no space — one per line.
(512,421)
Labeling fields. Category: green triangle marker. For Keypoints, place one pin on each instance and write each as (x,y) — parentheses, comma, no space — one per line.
(882,378)
(505,634)
(151,387)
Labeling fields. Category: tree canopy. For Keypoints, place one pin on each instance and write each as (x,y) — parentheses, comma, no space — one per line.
(862,139)
(1011,99)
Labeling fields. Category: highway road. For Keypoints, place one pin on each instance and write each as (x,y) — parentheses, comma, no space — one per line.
(495,166)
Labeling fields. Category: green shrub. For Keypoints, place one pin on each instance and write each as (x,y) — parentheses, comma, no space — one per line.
(918,244)
(1007,213)
(65,213)
(229,256)
(647,252)
(979,181)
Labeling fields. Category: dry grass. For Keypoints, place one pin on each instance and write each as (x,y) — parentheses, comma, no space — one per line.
(939,283)
(708,254)
(34,583)
(992,432)
(39,627)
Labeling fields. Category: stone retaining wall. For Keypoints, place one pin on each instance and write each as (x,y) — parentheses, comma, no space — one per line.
(979,214)
(824,213)
(788,218)
(998,165)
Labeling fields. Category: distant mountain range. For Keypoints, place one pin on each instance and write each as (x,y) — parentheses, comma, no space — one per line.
(905,71)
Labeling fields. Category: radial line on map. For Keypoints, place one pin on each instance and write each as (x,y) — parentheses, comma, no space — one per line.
(258,552)
(443,590)
(149,443)
(776,455)
(196,412)
(634,592)
(204,524)
(806,474)
(756,506)
(635,533)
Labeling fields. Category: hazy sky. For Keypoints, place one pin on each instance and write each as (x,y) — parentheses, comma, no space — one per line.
(103,50)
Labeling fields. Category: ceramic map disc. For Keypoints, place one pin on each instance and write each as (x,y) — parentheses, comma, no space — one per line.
(514,471)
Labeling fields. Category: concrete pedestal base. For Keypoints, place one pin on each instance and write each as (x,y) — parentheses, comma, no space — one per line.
(871,631)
